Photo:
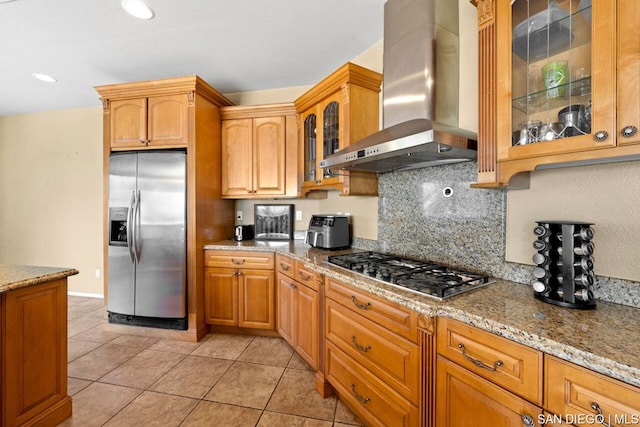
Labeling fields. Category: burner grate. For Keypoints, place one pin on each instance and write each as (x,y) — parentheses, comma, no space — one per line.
(423,277)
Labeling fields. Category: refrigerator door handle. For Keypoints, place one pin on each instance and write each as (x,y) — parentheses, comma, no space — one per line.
(136,229)
(130,226)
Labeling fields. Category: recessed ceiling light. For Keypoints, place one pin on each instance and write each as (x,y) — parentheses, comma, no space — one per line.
(44,77)
(137,8)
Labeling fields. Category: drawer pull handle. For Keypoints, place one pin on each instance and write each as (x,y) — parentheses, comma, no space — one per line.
(358,396)
(358,346)
(303,276)
(236,262)
(527,421)
(478,362)
(357,304)
(600,418)
(284,267)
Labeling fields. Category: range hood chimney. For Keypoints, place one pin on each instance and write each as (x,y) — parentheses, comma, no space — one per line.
(420,93)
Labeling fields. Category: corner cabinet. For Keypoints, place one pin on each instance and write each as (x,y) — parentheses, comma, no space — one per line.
(259,151)
(177,113)
(566,79)
(239,289)
(340,110)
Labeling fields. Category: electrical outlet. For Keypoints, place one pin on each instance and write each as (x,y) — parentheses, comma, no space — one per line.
(239,215)
(298,215)
(97,273)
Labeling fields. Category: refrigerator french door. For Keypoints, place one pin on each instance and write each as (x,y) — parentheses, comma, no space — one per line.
(147,239)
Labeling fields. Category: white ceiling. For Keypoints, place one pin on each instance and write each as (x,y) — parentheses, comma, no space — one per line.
(235,45)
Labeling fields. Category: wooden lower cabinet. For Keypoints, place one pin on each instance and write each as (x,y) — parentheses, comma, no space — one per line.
(372,356)
(586,397)
(298,311)
(367,396)
(243,296)
(466,399)
(33,361)
(298,318)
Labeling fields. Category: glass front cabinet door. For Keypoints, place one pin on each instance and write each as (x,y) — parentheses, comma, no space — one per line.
(338,111)
(555,81)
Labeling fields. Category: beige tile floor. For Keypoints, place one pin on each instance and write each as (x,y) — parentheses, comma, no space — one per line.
(223,380)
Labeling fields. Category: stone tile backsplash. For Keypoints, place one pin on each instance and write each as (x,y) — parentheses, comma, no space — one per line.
(433,213)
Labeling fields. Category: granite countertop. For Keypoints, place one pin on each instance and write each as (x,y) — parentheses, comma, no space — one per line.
(606,340)
(14,277)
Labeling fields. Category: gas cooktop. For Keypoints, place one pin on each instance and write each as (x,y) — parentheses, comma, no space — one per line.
(422,277)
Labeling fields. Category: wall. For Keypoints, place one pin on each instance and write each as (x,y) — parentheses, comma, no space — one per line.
(51,186)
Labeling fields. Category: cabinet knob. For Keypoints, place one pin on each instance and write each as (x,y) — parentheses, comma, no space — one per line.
(628,131)
(527,421)
(601,135)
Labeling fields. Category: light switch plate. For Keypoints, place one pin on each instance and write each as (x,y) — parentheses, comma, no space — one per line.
(239,215)
(298,215)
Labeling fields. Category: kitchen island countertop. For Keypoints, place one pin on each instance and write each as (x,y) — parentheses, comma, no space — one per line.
(606,340)
(21,276)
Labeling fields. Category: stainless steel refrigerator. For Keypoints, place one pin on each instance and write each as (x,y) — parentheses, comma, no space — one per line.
(147,239)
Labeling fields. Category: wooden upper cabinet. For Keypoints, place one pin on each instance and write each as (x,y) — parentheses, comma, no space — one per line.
(628,67)
(259,152)
(160,121)
(539,61)
(340,110)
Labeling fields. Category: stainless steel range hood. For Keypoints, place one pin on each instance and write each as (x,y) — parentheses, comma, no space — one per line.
(420,93)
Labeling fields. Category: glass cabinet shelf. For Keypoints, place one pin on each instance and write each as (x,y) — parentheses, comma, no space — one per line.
(536,102)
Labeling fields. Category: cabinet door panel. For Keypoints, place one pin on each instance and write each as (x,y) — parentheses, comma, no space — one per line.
(35,352)
(286,308)
(269,155)
(628,69)
(306,324)
(465,399)
(221,296)
(586,46)
(237,136)
(571,389)
(128,123)
(256,295)
(168,123)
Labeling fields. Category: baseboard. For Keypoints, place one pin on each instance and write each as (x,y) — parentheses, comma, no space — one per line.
(85,294)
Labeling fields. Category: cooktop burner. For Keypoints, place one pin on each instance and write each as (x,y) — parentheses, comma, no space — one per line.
(422,277)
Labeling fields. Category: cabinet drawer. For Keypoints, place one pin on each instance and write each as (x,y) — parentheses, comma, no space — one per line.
(513,366)
(400,320)
(306,276)
(571,389)
(390,357)
(366,395)
(285,265)
(239,259)
(466,399)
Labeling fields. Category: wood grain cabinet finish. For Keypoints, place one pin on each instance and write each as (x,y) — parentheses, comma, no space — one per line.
(466,399)
(372,356)
(573,390)
(240,289)
(259,151)
(394,317)
(150,122)
(508,364)
(33,361)
(386,355)
(340,110)
(298,309)
(612,46)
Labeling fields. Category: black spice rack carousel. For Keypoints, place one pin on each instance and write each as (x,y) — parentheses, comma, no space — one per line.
(564,272)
